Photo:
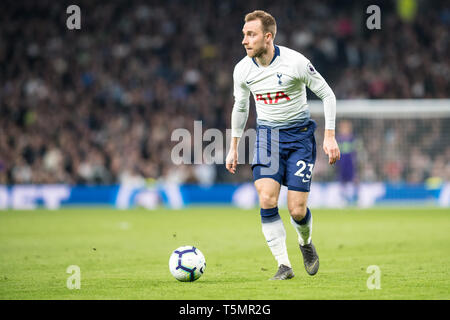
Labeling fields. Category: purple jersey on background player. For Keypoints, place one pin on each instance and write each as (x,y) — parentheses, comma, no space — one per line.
(347,165)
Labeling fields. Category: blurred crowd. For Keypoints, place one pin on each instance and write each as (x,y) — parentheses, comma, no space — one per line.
(99,104)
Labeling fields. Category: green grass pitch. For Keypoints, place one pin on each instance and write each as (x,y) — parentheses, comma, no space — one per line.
(125,254)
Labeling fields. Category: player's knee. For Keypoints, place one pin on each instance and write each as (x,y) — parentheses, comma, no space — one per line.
(267,200)
(298,212)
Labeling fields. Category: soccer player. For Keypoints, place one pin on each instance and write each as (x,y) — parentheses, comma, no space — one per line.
(277,76)
(347,166)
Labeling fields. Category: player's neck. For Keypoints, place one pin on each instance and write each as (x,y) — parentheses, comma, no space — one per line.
(265,59)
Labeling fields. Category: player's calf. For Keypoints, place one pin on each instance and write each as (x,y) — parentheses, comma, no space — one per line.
(309,253)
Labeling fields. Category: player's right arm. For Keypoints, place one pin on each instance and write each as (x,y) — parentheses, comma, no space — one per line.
(239,117)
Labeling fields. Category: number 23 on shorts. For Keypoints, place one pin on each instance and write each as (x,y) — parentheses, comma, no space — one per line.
(300,172)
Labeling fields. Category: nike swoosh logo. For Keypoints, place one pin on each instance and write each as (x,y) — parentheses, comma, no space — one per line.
(303,180)
(248,82)
(312,267)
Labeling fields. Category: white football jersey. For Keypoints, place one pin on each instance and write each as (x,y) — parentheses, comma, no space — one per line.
(279,91)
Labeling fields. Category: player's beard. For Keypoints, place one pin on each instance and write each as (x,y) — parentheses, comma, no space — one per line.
(261,51)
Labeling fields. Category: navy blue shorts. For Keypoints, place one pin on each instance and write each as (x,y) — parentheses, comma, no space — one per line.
(286,155)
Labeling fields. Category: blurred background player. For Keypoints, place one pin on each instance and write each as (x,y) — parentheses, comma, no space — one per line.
(285,149)
(347,166)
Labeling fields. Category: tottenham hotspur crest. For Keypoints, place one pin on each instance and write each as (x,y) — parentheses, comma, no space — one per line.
(279,75)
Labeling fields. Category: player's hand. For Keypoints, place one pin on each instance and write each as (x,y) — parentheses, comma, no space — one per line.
(331,148)
(231,161)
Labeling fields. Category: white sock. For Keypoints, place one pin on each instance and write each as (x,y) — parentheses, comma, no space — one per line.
(304,231)
(275,235)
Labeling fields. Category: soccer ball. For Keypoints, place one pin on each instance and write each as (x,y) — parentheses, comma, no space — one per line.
(187,263)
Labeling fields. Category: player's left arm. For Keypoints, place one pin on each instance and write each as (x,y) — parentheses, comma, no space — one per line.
(314,81)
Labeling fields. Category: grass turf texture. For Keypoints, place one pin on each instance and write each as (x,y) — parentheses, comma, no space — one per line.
(125,254)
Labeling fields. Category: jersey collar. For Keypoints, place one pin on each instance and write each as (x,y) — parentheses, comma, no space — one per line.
(277,53)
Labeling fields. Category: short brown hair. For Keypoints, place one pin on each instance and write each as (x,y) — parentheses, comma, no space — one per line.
(268,22)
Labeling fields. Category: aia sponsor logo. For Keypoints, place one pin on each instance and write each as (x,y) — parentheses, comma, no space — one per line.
(272,98)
